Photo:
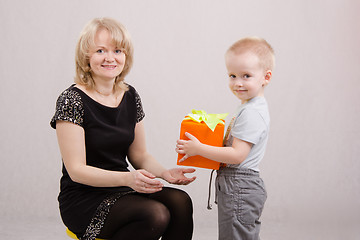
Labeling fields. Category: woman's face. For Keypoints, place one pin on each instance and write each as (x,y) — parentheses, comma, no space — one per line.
(106,60)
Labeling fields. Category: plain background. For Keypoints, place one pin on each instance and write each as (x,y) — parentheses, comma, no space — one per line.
(311,167)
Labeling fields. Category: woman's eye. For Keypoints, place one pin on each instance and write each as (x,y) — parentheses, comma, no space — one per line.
(118,51)
(100,51)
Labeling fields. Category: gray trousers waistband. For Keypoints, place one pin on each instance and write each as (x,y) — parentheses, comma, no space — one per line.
(237,171)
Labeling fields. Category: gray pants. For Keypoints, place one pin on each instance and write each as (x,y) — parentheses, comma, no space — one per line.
(241,196)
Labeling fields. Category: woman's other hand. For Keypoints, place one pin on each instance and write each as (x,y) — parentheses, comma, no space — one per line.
(177,176)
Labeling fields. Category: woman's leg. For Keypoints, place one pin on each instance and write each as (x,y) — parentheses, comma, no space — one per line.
(136,216)
(168,213)
(180,207)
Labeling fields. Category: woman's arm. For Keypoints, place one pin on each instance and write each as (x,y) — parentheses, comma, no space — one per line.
(139,156)
(235,154)
(71,139)
(141,159)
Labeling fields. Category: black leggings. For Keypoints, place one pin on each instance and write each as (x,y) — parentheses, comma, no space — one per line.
(167,214)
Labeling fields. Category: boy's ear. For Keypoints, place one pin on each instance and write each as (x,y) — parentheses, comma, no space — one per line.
(268,76)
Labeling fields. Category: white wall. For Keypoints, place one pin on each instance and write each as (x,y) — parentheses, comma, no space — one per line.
(311,168)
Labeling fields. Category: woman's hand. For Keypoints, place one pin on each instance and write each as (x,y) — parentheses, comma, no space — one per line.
(144,182)
(177,176)
(188,147)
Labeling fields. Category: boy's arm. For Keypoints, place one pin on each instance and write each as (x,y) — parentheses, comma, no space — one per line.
(235,154)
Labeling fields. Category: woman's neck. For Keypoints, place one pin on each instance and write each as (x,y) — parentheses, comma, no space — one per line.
(104,88)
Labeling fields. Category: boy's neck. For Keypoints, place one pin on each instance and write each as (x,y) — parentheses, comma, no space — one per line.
(260,96)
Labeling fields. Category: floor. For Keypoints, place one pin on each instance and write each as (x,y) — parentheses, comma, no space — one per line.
(53,229)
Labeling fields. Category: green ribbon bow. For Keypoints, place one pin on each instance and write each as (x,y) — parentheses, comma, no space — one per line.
(211,120)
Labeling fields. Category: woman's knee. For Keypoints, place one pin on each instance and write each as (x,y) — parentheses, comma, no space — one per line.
(182,200)
(157,215)
(185,198)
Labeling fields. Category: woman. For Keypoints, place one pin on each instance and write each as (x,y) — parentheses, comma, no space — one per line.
(99,124)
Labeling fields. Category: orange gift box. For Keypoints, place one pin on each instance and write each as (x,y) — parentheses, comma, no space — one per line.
(202,131)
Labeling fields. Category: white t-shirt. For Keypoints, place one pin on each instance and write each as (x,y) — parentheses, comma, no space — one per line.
(251,124)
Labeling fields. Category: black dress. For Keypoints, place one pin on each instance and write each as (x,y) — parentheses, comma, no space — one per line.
(109,131)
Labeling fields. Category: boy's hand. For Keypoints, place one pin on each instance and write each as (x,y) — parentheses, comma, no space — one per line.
(188,147)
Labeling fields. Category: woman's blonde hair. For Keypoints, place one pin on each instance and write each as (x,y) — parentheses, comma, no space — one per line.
(259,47)
(121,39)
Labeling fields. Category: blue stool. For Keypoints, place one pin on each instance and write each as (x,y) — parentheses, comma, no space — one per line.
(73,236)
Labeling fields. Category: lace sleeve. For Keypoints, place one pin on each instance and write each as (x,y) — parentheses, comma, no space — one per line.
(140,114)
(69,107)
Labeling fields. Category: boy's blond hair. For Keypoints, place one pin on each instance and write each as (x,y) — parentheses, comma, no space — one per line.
(121,39)
(259,47)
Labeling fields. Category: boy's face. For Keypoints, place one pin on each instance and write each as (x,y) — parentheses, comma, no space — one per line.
(247,78)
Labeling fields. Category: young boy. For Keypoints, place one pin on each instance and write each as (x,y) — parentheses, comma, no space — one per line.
(240,190)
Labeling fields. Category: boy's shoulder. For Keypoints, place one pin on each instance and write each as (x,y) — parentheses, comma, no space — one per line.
(258,104)
(255,108)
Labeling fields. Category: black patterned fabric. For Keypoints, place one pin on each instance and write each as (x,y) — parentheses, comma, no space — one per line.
(97,222)
(109,132)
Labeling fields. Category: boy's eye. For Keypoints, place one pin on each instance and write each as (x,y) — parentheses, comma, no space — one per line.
(246,76)
(232,76)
